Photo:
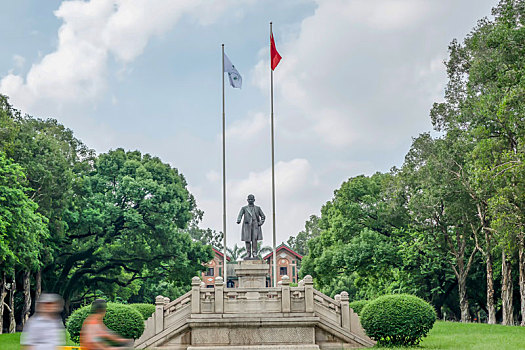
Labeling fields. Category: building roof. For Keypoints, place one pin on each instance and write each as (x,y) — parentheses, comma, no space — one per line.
(220,254)
(283,246)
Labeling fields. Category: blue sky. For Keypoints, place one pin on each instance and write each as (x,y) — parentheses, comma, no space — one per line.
(356,83)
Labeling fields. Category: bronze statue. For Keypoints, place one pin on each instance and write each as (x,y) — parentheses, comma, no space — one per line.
(251,228)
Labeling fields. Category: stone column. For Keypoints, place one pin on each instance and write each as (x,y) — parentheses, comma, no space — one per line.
(309,293)
(196,295)
(159,314)
(219,295)
(345,311)
(286,305)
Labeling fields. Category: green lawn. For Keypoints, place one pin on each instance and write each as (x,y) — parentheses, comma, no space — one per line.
(444,335)
(452,335)
(12,341)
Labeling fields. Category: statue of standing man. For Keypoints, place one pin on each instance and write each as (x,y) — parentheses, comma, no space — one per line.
(251,226)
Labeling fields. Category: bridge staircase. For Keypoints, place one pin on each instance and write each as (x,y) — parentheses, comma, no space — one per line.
(283,317)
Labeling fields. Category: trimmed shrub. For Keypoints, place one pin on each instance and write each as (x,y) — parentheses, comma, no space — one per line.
(120,318)
(397,320)
(146,310)
(358,305)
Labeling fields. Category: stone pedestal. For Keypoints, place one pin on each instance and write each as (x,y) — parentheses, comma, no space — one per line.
(252,273)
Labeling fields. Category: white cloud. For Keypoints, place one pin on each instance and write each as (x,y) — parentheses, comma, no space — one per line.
(361,73)
(19,61)
(293,180)
(213,176)
(245,129)
(91,32)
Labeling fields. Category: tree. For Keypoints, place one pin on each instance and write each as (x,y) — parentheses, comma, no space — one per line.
(363,206)
(440,204)
(22,231)
(311,230)
(236,252)
(259,253)
(50,157)
(484,97)
(205,236)
(127,222)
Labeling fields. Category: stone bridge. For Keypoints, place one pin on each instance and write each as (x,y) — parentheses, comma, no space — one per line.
(283,317)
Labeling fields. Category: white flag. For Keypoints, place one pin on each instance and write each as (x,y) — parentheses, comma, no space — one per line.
(233,74)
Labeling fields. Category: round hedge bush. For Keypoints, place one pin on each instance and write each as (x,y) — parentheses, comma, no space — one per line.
(395,320)
(146,310)
(122,319)
(358,305)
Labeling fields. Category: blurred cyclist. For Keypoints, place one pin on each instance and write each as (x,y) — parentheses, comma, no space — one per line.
(95,335)
(45,330)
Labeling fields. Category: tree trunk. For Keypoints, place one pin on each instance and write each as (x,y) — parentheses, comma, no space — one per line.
(463,298)
(26,309)
(506,290)
(11,326)
(38,288)
(521,268)
(491,309)
(3,293)
(67,307)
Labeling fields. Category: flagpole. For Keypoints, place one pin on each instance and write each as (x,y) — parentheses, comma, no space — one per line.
(273,170)
(224,173)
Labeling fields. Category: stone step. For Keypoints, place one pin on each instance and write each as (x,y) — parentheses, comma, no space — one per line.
(258,347)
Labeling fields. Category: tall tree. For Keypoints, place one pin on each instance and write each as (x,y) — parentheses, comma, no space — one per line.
(485,98)
(22,231)
(50,156)
(311,230)
(363,206)
(440,203)
(126,223)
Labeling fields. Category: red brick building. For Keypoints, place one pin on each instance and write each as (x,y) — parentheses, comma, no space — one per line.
(214,268)
(288,263)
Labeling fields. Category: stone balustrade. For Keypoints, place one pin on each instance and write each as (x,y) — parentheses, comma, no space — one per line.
(281,307)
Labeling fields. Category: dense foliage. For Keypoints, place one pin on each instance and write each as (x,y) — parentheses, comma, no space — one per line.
(397,320)
(358,305)
(146,310)
(449,225)
(125,320)
(84,225)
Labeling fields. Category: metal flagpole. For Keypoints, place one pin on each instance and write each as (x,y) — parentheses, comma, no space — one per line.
(225,266)
(273,169)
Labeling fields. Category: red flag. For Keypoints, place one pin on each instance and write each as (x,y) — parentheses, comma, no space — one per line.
(273,53)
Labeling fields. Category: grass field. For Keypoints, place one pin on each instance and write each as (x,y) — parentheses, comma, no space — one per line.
(444,336)
(479,336)
(12,341)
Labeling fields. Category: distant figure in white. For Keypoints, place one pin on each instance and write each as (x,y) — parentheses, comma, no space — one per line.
(45,330)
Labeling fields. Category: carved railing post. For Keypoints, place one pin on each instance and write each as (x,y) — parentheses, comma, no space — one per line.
(286,305)
(219,295)
(195,295)
(345,311)
(309,293)
(159,314)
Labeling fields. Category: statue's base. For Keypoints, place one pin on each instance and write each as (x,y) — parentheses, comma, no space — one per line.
(252,273)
